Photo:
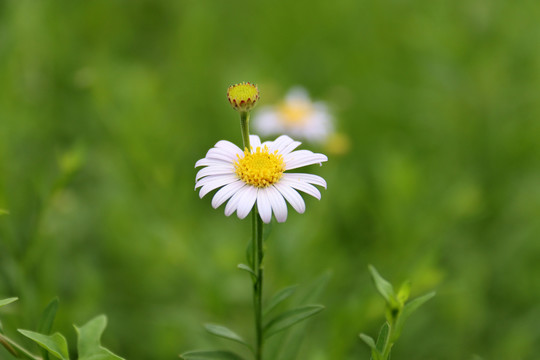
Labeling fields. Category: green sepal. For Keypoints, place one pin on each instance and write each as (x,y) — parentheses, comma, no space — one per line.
(279,297)
(409,308)
(89,340)
(55,344)
(226,333)
(7,301)
(290,318)
(210,355)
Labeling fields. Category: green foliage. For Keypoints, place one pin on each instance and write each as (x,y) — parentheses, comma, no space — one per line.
(438,100)
(289,318)
(89,340)
(397,311)
(55,344)
(210,355)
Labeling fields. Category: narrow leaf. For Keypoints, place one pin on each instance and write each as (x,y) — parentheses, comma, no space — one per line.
(47,320)
(248,269)
(16,349)
(289,318)
(409,308)
(55,344)
(369,341)
(89,340)
(279,297)
(226,333)
(382,339)
(383,287)
(4,302)
(210,355)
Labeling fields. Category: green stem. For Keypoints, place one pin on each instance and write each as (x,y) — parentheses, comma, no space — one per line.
(244,125)
(258,255)
(389,341)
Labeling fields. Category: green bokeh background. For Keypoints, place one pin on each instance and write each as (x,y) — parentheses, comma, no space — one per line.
(106,105)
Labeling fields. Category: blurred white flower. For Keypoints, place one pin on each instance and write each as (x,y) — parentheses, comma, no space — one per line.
(259,176)
(297,116)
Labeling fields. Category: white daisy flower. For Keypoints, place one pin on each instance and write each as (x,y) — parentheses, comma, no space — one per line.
(297,116)
(259,176)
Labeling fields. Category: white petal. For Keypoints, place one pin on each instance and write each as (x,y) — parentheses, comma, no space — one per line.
(309,178)
(263,205)
(292,196)
(224,144)
(215,170)
(222,154)
(279,206)
(215,182)
(302,186)
(226,192)
(246,201)
(254,141)
(232,205)
(290,147)
(211,178)
(301,158)
(280,143)
(211,162)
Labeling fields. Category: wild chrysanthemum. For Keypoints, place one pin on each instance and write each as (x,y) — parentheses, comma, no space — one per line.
(259,176)
(297,116)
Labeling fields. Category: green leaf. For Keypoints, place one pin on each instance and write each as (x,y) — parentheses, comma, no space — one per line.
(89,340)
(4,302)
(224,332)
(4,212)
(409,308)
(404,292)
(210,355)
(375,354)
(248,269)
(383,287)
(279,297)
(382,339)
(55,344)
(368,340)
(47,320)
(289,318)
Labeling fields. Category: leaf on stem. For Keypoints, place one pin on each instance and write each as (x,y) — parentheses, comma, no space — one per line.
(409,308)
(382,339)
(55,344)
(46,323)
(89,340)
(279,297)
(289,318)
(249,270)
(226,333)
(210,355)
(383,286)
(4,302)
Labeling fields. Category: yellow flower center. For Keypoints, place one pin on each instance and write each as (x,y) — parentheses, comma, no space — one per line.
(260,168)
(295,113)
(243,96)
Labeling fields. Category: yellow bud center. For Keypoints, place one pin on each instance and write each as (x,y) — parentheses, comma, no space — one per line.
(295,112)
(243,96)
(260,168)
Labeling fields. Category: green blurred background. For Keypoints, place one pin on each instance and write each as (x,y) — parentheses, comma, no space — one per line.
(106,105)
